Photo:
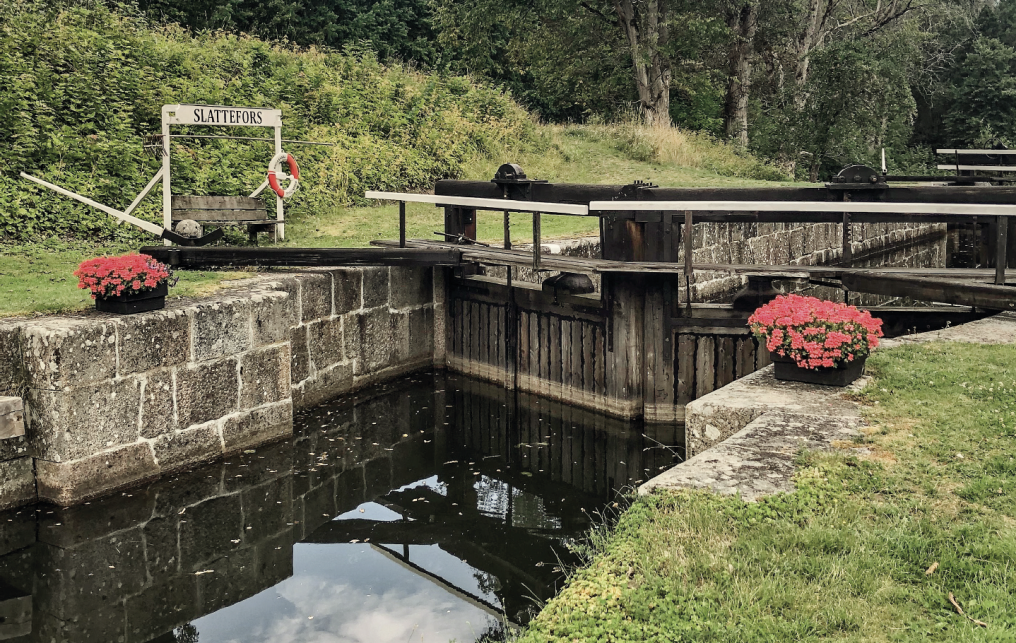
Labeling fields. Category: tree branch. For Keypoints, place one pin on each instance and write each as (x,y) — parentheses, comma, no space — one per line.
(889,19)
(596,12)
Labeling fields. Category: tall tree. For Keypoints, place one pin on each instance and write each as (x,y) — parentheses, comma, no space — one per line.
(645,25)
(649,39)
(742,20)
(826,20)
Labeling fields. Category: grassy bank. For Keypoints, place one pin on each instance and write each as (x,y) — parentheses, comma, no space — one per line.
(35,277)
(83,84)
(605,154)
(869,547)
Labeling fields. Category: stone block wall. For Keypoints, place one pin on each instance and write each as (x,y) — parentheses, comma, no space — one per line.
(754,243)
(134,566)
(114,400)
(799,244)
(356,327)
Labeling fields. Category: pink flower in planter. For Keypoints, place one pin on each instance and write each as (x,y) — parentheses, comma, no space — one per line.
(815,333)
(111,276)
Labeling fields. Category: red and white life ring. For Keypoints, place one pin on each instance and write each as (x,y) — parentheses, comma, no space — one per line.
(276,175)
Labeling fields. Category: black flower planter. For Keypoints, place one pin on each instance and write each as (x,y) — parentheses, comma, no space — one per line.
(787,370)
(135,302)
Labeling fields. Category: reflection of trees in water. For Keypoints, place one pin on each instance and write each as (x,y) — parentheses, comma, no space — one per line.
(497,633)
(186,634)
(488,583)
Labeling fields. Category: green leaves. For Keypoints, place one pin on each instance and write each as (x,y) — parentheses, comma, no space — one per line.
(82,85)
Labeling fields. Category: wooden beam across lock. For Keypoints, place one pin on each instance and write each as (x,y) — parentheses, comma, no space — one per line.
(298,257)
(933,289)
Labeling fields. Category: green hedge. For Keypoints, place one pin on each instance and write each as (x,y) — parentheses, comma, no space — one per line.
(82,84)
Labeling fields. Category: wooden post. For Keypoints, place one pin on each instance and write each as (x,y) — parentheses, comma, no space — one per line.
(1001,246)
(536,241)
(402,224)
(460,221)
(688,251)
(507,231)
(625,364)
(848,250)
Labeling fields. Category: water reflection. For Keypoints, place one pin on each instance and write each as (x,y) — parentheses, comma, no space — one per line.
(438,508)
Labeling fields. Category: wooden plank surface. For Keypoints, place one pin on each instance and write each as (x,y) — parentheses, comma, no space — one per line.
(184,202)
(485,333)
(588,347)
(652,333)
(566,351)
(226,216)
(725,356)
(575,354)
(940,290)
(554,341)
(599,360)
(456,328)
(500,256)
(195,257)
(474,333)
(473,203)
(500,342)
(523,355)
(979,168)
(745,360)
(544,348)
(534,346)
(871,207)
(686,347)
(705,366)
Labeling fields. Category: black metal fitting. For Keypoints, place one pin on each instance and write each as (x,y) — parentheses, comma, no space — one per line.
(631,191)
(855,177)
(513,182)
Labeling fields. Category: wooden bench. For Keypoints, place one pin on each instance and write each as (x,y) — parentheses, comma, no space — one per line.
(224,211)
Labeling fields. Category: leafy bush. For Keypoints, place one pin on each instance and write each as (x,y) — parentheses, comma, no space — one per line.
(84,83)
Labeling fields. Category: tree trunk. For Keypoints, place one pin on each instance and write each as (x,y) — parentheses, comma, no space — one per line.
(743,23)
(647,36)
(808,38)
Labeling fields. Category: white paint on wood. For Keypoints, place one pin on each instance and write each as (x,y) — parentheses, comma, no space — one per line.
(498,205)
(979,168)
(978,152)
(144,225)
(969,209)
(221,116)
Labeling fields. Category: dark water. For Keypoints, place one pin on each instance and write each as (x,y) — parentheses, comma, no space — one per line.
(438,508)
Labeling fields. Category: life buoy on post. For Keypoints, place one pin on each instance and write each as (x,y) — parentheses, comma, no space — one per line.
(276,175)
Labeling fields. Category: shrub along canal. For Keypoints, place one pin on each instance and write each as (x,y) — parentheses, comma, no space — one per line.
(434,508)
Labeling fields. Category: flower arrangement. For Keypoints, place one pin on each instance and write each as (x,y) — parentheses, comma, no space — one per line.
(815,333)
(124,275)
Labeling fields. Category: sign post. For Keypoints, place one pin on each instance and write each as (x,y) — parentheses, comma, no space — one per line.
(217,116)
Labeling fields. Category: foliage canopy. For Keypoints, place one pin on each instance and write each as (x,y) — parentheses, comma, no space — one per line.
(393,128)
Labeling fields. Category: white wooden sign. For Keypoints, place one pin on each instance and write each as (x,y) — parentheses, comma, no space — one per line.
(220,115)
(217,116)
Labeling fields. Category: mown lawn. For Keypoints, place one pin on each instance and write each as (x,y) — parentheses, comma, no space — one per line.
(577,155)
(849,555)
(37,278)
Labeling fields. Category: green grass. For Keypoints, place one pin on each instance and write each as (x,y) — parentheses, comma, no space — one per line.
(845,556)
(577,154)
(36,278)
